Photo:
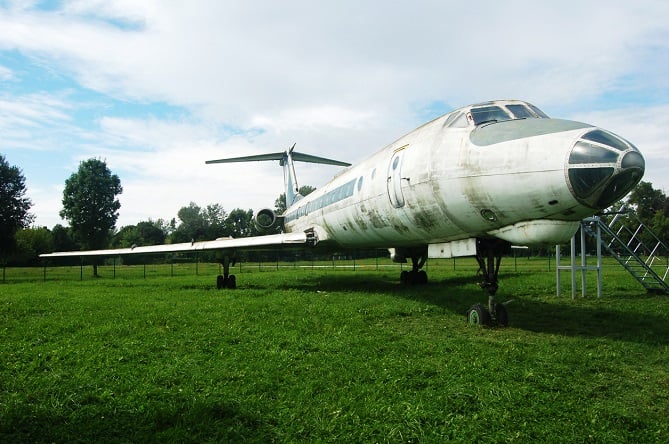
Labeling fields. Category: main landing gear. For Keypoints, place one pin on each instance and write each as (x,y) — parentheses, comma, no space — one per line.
(418,256)
(227,280)
(489,256)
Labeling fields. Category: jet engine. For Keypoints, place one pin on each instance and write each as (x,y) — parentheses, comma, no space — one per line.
(266,219)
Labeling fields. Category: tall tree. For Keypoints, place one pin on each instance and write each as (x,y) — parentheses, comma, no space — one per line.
(90,204)
(651,207)
(193,226)
(14,206)
(199,223)
(63,239)
(144,233)
(647,201)
(30,243)
(240,223)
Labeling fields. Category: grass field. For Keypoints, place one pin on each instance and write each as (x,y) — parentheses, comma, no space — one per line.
(311,354)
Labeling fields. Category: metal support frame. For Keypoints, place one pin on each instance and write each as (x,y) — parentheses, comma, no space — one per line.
(583,268)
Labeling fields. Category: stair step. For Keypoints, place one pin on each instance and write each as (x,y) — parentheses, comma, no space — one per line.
(628,249)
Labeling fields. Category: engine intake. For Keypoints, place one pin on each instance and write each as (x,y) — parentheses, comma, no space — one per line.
(266,219)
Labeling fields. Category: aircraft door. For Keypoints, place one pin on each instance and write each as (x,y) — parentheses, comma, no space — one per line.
(395,179)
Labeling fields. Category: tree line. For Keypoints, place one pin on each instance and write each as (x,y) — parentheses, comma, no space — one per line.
(91,208)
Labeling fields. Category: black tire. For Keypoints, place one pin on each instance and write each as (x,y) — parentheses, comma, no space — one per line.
(232,282)
(405,278)
(421,277)
(478,315)
(220,282)
(501,316)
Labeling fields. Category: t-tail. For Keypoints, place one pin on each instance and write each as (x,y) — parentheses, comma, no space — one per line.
(286,160)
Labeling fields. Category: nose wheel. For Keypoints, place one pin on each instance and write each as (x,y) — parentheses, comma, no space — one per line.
(479,314)
(489,256)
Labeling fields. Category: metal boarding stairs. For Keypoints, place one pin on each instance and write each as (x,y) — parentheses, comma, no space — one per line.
(635,247)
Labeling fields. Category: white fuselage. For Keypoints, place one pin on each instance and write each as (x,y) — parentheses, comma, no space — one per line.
(442,183)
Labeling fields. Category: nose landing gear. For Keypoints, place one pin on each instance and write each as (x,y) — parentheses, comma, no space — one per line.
(489,256)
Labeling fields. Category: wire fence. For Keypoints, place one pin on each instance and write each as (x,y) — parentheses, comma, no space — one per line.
(193,266)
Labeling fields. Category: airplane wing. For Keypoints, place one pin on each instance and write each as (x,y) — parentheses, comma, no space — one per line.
(249,243)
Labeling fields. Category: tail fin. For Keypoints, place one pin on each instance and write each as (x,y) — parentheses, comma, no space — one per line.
(286,160)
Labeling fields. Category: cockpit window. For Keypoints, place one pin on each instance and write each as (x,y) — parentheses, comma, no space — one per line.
(456,120)
(605,138)
(485,114)
(538,112)
(521,112)
(451,119)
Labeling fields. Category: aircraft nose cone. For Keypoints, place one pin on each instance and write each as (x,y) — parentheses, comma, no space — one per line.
(602,168)
(634,160)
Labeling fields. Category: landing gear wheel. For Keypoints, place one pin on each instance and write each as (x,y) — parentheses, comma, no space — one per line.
(501,316)
(413,277)
(489,256)
(478,315)
(226,282)
(421,277)
(418,256)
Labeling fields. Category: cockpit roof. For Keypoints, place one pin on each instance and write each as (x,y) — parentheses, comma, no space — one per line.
(493,111)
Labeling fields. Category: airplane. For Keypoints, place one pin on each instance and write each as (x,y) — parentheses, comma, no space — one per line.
(472,182)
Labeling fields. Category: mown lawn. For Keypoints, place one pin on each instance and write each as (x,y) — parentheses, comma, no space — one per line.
(317,354)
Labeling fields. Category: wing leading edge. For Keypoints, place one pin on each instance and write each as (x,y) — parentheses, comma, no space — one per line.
(250,243)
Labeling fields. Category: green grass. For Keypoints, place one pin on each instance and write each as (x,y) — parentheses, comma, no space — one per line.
(320,354)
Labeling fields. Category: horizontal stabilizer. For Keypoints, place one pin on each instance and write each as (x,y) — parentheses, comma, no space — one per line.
(280,156)
(315,159)
(256,158)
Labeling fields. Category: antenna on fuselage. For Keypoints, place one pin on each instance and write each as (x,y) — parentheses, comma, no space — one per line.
(286,160)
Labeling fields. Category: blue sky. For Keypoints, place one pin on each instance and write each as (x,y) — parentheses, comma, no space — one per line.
(155,88)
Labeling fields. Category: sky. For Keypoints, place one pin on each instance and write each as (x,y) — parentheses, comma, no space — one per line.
(156,87)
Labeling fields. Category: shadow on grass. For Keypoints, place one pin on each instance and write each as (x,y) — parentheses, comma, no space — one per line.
(643,319)
(199,422)
(576,320)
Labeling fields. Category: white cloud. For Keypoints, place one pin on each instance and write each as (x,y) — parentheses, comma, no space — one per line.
(341,79)
(236,59)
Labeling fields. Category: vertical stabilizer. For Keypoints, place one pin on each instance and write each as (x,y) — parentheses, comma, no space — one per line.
(287,160)
(290,178)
